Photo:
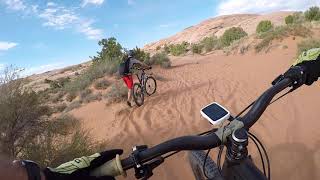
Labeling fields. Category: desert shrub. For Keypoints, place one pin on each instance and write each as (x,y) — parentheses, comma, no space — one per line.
(196,48)
(308,44)
(244,49)
(158,48)
(210,43)
(298,17)
(71,96)
(92,97)
(62,140)
(85,93)
(21,113)
(161,59)
(231,35)
(117,93)
(166,64)
(73,105)
(289,19)
(57,97)
(27,133)
(295,18)
(106,62)
(313,14)
(102,84)
(179,49)
(141,55)
(264,26)
(59,108)
(166,49)
(59,83)
(95,71)
(281,32)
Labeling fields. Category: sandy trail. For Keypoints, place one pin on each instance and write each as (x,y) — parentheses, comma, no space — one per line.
(289,128)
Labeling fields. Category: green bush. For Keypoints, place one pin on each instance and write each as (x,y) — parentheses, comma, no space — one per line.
(141,55)
(308,44)
(264,26)
(231,35)
(196,48)
(210,43)
(289,19)
(102,84)
(179,49)
(281,32)
(313,14)
(161,59)
(111,49)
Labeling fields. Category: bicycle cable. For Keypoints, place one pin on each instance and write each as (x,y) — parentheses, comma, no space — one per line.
(265,152)
(260,153)
(219,159)
(204,164)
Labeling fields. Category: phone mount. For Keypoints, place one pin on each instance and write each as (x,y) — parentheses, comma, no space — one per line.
(144,170)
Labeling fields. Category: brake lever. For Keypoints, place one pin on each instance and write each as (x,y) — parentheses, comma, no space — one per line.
(277,79)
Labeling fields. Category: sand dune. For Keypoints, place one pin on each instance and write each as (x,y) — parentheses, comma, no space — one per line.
(289,128)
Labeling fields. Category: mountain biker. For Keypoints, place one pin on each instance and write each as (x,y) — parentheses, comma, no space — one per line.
(125,71)
(80,168)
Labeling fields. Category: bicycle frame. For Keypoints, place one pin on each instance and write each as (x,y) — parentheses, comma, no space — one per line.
(142,78)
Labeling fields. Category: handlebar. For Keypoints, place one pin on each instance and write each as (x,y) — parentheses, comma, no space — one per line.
(209,141)
(263,101)
(143,68)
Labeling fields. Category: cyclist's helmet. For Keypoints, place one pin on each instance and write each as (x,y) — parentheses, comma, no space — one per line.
(130,53)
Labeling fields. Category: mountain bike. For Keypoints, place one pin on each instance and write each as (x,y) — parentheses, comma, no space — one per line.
(234,136)
(147,85)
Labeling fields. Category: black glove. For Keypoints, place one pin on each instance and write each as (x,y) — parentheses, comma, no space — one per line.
(297,75)
(80,168)
(312,70)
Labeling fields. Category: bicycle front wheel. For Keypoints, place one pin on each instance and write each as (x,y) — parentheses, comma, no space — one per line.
(150,85)
(196,159)
(138,95)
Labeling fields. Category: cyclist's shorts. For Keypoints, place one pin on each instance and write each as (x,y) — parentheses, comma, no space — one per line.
(128,80)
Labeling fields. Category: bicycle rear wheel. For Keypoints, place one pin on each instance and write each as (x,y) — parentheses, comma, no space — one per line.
(138,95)
(196,159)
(150,85)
